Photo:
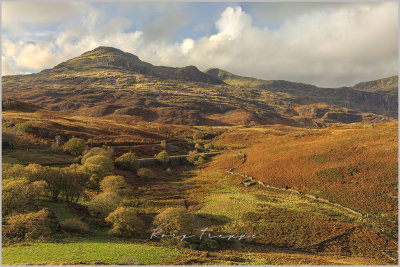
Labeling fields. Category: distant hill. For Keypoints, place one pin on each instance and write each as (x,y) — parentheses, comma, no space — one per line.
(378,96)
(387,85)
(109,82)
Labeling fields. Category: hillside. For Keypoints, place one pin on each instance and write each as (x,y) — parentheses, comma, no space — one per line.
(378,96)
(388,85)
(355,165)
(107,81)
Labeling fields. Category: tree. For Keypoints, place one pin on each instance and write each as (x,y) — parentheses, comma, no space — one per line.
(75,183)
(126,222)
(13,171)
(104,203)
(128,161)
(177,221)
(19,195)
(75,146)
(163,157)
(115,184)
(95,151)
(55,179)
(163,144)
(97,167)
(34,172)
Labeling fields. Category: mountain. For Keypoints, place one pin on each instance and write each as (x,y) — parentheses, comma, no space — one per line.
(109,58)
(380,96)
(107,82)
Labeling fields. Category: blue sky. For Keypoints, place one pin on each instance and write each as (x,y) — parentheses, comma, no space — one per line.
(327,44)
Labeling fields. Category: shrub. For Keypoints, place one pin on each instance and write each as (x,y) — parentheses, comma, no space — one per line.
(146,173)
(95,151)
(32,225)
(200,161)
(104,203)
(13,171)
(128,161)
(24,127)
(20,195)
(208,146)
(205,244)
(197,135)
(74,226)
(114,184)
(193,157)
(199,146)
(75,146)
(126,222)
(177,221)
(163,157)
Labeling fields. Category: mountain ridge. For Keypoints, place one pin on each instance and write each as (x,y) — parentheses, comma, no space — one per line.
(112,58)
(109,82)
(366,96)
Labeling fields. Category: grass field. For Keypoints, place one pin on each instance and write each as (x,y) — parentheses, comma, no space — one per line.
(87,251)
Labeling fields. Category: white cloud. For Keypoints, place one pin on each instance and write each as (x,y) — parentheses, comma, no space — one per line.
(187,45)
(338,46)
(233,22)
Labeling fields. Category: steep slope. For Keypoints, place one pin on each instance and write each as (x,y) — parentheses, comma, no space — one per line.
(377,96)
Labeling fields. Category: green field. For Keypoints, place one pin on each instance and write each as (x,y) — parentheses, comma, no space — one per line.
(87,251)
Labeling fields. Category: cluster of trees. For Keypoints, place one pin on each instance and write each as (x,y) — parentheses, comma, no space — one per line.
(25,186)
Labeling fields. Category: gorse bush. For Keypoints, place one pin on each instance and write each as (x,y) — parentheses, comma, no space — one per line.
(104,203)
(126,222)
(32,225)
(75,146)
(175,220)
(115,184)
(128,161)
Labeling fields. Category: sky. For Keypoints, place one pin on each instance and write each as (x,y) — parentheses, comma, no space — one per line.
(324,44)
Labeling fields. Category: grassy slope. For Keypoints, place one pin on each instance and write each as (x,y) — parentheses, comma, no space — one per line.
(354,165)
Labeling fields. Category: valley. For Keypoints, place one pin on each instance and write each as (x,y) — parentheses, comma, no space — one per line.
(103,148)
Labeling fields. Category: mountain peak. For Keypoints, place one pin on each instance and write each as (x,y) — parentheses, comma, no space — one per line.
(110,58)
(109,51)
